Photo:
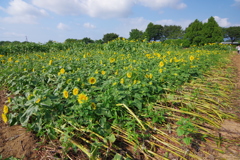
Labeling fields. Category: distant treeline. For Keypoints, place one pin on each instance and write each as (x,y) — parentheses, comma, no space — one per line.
(197,33)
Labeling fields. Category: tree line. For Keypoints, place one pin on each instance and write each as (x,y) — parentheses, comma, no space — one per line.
(197,33)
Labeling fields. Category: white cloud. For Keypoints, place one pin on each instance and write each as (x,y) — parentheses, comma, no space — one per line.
(127,24)
(103,8)
(237,3)
(93,8)
(88,25)
(222,22)
(182,23)
(22,12)
(157,4)
(62,26)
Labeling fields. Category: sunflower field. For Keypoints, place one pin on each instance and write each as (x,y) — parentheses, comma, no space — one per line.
(119,100)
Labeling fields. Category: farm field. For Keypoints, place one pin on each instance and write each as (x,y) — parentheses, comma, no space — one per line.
(122,99)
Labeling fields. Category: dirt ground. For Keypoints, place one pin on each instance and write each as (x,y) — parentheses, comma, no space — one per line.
(15,140)
(18,142)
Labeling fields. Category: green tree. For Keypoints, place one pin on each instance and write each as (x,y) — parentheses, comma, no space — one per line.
(109,37)
(172,32)
(70,40)
(194,32)
(99,41)
(211,32)
(233,33)
(136,34)
(87,40)
(154,32)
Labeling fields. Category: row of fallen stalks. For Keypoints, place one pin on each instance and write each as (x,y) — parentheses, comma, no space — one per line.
(199,107)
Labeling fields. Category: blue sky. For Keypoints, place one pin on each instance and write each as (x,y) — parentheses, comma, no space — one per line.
(57,20)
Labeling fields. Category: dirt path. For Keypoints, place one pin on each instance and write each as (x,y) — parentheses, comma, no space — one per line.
(231,129)
(17,142)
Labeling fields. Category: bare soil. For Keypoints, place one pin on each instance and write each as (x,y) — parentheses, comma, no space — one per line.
(16,141)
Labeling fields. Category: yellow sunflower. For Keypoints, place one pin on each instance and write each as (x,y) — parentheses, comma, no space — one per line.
(65,94)
(82,97)
(161,64)
(92,80)
(5,109)
(4,118)
(62,71)
(50,62)
(122,81)
(191,58)
(129,74)
(112,60)
(103,72)
(75,91)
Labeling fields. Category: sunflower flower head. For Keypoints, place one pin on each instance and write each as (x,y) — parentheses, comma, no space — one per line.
(5,109)
(92,80)
(129,74)
(161,64)
(82,98)
(112,60)
(103,72)
(9,100)
(62,71)
(122,81)
(191,58)
(4,118)
(65,94)
(75,91)
(50,62)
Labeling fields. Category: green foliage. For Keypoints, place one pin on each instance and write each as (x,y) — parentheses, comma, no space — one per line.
(194,32)
(211,32)
(69,40)
(172,32)
(109,37)
(154,32)
(87,40)
(136,34)
(185,129)
(182,43)
(199,33)
(233,33)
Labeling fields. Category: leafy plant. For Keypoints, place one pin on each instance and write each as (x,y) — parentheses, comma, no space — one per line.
(185,129)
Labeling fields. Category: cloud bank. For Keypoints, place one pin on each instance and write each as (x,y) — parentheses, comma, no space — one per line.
(103,8)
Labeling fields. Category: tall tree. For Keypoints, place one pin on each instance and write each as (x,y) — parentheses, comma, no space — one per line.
(233,33)
(109,37)
(194,32)
(172,32)
(211,32)
(154,32)
(136,34)
(87,40)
